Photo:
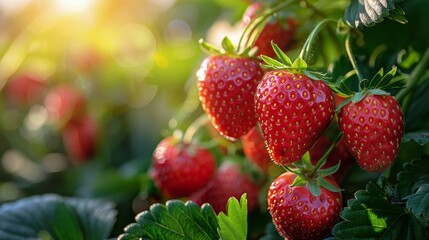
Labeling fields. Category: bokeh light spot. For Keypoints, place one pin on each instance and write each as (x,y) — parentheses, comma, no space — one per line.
(135,46)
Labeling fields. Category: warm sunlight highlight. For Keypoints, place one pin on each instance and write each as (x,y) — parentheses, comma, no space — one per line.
(73,6)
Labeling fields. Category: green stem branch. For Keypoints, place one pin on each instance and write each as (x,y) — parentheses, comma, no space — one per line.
(323,159)
(194,127)
(352,59)
(250,33)
(306,49)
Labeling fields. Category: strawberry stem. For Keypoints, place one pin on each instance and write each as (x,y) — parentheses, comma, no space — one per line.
(352,59)
(194,127)
(322,160)
(298,173)
(320,13)
(306,49)
(250,33)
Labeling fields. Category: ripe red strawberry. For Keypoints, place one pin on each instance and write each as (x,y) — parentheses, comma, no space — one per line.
(340,153)
(24,90)
(293,111)
(254,149)
(65,103)
(373,130)
(228,182)
(226,87)
(179,169)
(297,214)
(280,31)
(80,138)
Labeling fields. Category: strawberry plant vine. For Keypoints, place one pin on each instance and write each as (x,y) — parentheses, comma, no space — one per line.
(311,123)
(328,87)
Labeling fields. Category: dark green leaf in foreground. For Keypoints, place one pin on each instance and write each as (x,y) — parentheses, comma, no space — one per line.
(371,216)
(175,220)
(420,137)
(271,233)
(415,173)
(418,202)
(234,225)
(56,217)
(369,12)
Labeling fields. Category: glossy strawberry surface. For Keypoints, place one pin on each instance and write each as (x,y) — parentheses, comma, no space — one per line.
(340,154)
(179,169)
(65,103)
(280,31)
(228,182)
(254,149)
(24,90)
(293,111)
(373,129)
(226,86)
(299,215)
(80,138)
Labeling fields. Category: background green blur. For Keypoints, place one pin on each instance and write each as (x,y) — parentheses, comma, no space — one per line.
(135,63)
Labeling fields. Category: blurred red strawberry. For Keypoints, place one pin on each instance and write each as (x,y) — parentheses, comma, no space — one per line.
(280,31)
(340,153)
(339,99)
(65,103)
(228,182)
(86,59)
(180,169)
(80,138)
(24,90)
(255,150)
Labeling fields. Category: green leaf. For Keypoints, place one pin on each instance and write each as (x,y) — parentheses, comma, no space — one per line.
(398,15)
(281,55)
(299,181)
(385,79)
(316,75)
(175,220)
(314,188)
(364,84)
(272,63)
(57,217)
(358,97)
(69,227)
(328,186)
(420,137)
(377,91)
(418,202)
(371,216)
(234,225)
(96,217)
(228,46)
(328,171)
(271,233)
(415,172)
(299,64)
(209,48)
(361,13)
(377,77)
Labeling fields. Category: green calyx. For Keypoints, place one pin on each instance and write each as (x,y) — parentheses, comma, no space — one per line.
(380,84)
(315,181)
(228,48)
(283,62)
(313,176)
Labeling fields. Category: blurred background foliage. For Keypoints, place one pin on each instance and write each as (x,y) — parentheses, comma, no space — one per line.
(133,63)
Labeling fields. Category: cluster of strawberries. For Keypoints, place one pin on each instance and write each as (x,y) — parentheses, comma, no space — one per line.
(66,109)
(280,114)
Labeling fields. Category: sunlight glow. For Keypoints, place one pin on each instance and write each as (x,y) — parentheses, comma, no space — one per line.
(73,6)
